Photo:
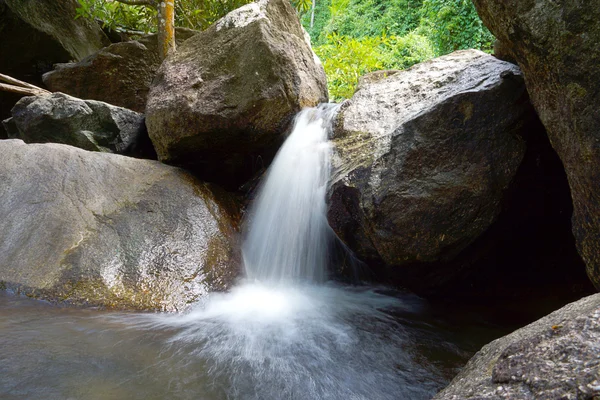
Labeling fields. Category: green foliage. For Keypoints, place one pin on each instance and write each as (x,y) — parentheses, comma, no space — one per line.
(361,36)
(454,25)
(114,14)
(369,18)
(195,14)
(347,59)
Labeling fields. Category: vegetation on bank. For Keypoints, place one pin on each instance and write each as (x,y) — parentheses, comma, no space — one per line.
(352,37)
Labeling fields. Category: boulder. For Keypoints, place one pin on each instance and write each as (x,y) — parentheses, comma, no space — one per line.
(87,124)
(555,357)
(422,157)
(39,33)
(106,230)
(228,94)
(120,74)
(556,46)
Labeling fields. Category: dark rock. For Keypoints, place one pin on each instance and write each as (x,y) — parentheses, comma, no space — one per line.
(529,252)
(107,230)
(228,94)
(87,124)
(120,74)
(39,33)
(422,158)
(555,357)
(556,46)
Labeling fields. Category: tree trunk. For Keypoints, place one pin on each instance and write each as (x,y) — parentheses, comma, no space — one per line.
(312,14)
(166,27)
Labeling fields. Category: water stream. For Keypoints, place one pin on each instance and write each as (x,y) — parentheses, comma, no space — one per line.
(282,333)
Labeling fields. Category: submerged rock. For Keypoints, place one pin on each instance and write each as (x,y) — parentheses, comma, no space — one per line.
(422,157)
(556,46)
(107,230)
(120,74)
(87,124)
(39,33)
(228,94)
(555,357)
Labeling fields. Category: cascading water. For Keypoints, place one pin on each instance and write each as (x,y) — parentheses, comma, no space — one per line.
(283,333)
(288,233)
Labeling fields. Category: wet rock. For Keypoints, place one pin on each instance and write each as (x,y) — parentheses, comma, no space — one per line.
(556,46)
(39,33)
(107,230)
(555,357)
(422,158)
(120,74)
(87,124)
(221,103)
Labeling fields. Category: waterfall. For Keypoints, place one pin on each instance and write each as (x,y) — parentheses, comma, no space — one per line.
(288,232)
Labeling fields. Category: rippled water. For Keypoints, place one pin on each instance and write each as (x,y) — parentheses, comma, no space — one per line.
(305,342)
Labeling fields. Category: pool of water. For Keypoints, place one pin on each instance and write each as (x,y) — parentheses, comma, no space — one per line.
(256,342)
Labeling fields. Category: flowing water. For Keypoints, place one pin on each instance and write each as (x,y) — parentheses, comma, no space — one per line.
(283,333)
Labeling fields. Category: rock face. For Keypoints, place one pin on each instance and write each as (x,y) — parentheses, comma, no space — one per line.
(556,46)
(120,74)
(422,157)
(555,357)
(228,94)
(38,33)
(90,125)
(107,230)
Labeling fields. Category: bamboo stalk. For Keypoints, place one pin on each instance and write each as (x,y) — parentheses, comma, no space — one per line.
(16,82)
(23,90)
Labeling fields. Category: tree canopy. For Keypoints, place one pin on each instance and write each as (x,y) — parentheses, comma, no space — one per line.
(352,37)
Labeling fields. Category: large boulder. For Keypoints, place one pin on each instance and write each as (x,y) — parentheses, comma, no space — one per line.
(87,124)
(226,97)
(107,230)
(120,74)
(555,357)
(556,46)
(422,157)
(39,33)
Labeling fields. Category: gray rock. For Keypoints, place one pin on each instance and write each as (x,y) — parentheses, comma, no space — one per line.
(556,46)
(120,74)
(556,357)
(87,124)
(106,230)
(422,156)
(229,93)
(39,33)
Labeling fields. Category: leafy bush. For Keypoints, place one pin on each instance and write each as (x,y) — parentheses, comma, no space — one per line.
(453,25)
(347,59)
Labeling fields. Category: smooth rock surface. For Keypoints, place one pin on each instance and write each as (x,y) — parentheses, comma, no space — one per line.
(556,357)
(106,230)
(422,157)
(556,46)
(225,98)
(120,74)
(87,124)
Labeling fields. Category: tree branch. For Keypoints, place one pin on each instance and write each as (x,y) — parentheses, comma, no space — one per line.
(16,82)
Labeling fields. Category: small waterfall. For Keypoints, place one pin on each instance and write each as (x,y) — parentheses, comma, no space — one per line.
(288,232)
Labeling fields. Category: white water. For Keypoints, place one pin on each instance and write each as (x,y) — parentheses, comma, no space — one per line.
(287,238)
(281,334)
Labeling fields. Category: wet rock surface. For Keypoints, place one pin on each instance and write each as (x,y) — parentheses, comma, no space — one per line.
(555,357)
(556,46)
(422,157)
(87,124)
(221,104)
(120,74)
(105,230)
